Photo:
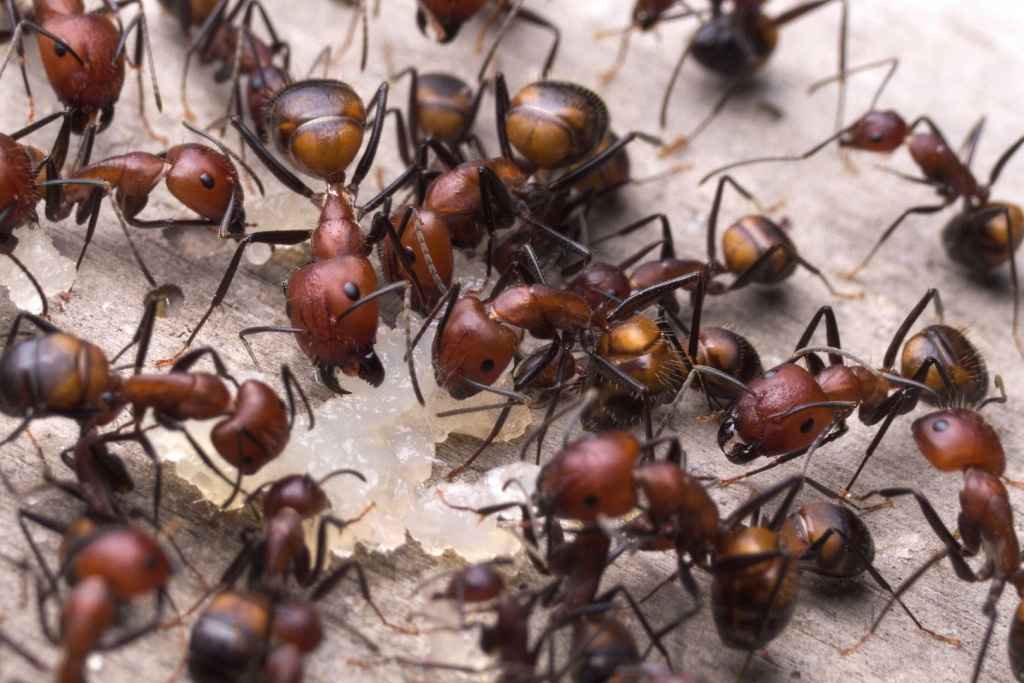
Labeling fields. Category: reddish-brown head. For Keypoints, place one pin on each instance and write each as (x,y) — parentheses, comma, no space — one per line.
(591,476)
(876,131)
(472,346)
(959,439)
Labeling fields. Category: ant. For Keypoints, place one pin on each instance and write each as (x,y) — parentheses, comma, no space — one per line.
(736,44)
(204,179)
(23,171)
(428,263)
(984,234)
(244,635)
(84,55)
(318,126)
(647,15)
(108,564)
(442,106)
(444,19)
(959,438)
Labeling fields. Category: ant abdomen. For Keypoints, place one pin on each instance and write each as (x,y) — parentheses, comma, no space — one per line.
(444,106)
(602,646)
(555,124)
(961,360)
(731,353)
(845,554)
(227,642)
(735,44)
(749,238)
(318,125)
(58,371)
(752,605)
(981,241)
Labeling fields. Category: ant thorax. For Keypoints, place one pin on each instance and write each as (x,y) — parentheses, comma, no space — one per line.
(384,433)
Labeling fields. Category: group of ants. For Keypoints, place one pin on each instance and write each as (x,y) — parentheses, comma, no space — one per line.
(610,337)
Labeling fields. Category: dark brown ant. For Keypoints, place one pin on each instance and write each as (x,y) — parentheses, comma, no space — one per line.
(23,170)
(736,44)
(984,235)
(245,636)
(318,126)
(959,438)
(84,55)
(442,107)
(444,19)
(108,564)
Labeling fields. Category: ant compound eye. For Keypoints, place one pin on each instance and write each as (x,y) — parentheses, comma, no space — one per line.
(807,425)
(207,180)
(770,374)
(940,425)
(351,291)
(487,365)
(590,501)
(60,49)
(876,137)
(410,253)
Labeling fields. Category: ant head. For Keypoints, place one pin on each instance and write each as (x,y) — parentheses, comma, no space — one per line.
(647,13)
(229,636)
(601,285)
(471,345)
(961,360)
(602,645)
(202,179)
(130,560)
(982,238)
(318,125)
(735,48)
(876,131)
(444,18)
(256,431)
(444,106)
(591,476)
(82,68)
(772,413)
(750,238)
(731,353)
(849,547)
(957,439)
(555,124)
(297,623)
(476,583)
(297,491)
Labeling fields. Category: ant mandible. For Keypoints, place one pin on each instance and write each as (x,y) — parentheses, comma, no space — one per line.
(89,82)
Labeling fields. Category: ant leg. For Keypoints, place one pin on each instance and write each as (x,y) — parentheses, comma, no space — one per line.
(143,630)
(24,516)
(380,98)
(201,44)
(332,580)
(932,295)
(800,10)
(716,205)
(594,163)
(995,591)
(532,17)
(922,210)
(45,326)
(278,237)
(655,637)
(663,114)
(185,363)
(278,169)
(411,108)
(499,424)
(831,335)
(997,170)
(666,232)
(30,658)
(142,44)
(203,456)
(501,107)
(643,298)
(790,487)
(821,276)
(970,143)
(85,148)
(32,279)
(321,543)
(684,139)
(291,387)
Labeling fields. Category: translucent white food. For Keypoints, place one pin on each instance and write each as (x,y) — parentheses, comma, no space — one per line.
(54,272)
(385,434)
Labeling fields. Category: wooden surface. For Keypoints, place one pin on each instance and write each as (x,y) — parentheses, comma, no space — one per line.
(959,61)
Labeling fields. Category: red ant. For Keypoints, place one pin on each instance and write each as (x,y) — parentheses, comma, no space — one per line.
(318,125)
(736,44)
(108,564)
(202,178)
(959,438)
(89,82)
(23,172)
